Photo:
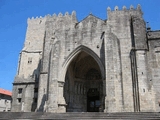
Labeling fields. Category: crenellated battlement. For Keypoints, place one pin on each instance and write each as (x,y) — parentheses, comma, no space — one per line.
(124,8)
(73,14)
(35,18)
(122,13)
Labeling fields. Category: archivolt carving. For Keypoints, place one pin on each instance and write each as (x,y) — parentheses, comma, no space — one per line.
(77,51)
(80,88)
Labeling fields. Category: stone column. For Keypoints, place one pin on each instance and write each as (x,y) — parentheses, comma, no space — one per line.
(109,67)
(56,102)
(114,83)
(53,80)
(44,72)
(52,96)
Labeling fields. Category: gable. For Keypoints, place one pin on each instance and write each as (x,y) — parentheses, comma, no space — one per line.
(91,21)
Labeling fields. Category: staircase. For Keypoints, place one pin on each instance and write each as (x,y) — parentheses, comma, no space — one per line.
(81,116)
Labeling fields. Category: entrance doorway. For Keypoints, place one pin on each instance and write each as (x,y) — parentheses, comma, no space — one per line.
(83,88)
(93,100)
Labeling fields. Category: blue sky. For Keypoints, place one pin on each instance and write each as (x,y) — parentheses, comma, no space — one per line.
(13,23)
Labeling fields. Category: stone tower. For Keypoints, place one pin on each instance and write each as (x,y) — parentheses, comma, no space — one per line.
(93,65)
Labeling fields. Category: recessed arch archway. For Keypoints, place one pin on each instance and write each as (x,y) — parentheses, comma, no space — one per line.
(84,75)
(76,52)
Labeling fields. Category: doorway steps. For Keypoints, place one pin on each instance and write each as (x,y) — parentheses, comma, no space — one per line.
(81,116)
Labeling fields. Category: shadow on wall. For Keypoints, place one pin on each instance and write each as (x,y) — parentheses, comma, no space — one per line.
(42,106)
(102,58)
(36,72)
(35,76)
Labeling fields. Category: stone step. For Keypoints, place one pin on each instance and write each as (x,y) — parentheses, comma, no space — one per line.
(81,116)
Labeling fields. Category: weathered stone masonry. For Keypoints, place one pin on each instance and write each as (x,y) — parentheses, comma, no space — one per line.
(93,65)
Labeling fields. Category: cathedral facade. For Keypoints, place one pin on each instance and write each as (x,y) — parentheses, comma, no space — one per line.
(92,65)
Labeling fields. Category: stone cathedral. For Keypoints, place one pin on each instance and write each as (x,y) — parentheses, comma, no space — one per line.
(92,65)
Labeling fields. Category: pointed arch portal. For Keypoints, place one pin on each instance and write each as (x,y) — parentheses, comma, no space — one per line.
(83,88)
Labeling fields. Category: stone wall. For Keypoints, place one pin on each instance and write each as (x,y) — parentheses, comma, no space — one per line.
(154,65)
(5,103)
(29,66)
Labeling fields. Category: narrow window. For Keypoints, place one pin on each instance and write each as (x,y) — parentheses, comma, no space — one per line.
(19,90)
(19,100)
(29,60)
(143,90)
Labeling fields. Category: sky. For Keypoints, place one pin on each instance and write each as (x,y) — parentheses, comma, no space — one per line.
(13,23)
